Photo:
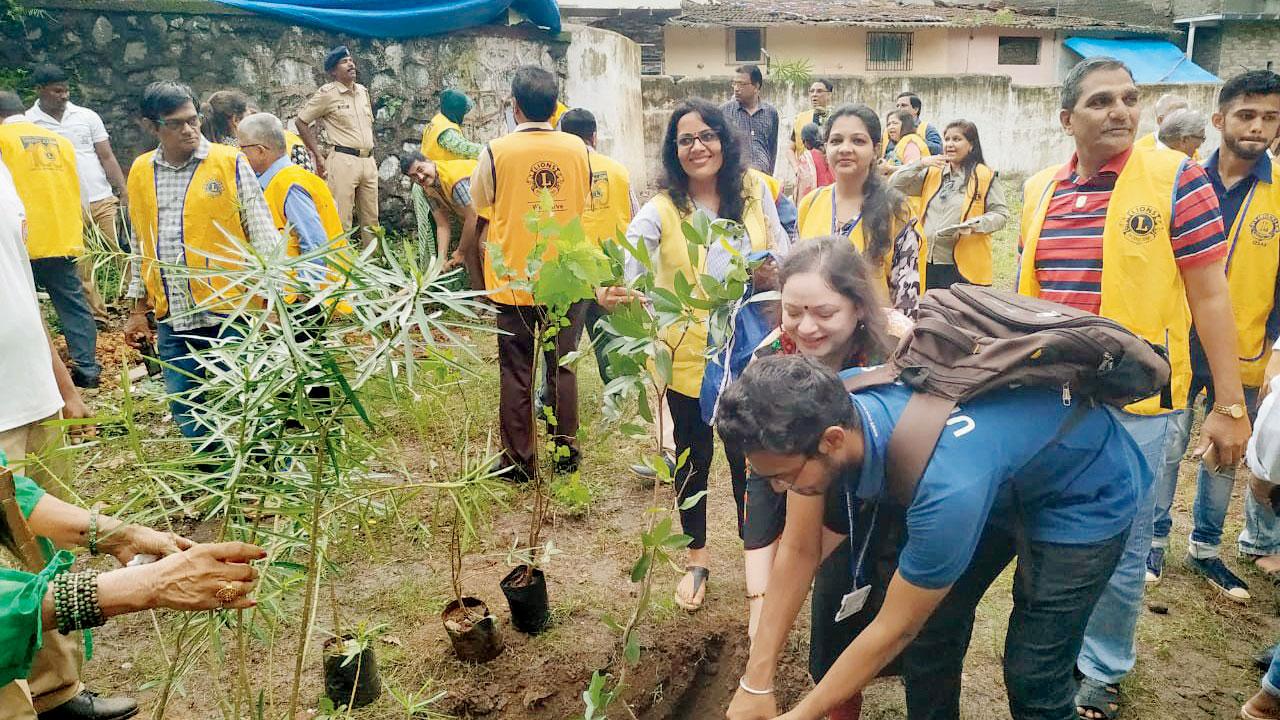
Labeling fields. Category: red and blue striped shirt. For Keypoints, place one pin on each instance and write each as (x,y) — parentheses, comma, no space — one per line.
(1069,253)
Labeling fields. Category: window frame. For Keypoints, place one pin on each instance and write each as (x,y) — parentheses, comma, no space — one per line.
(903,63)
(1000,44)
(733,45)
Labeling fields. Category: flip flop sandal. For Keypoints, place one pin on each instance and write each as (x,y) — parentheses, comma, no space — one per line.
(1099,697)
(1246,715)
(700,575)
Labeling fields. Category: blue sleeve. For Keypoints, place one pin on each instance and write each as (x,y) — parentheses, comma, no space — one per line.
(300,210)
(947,518)
(934,140)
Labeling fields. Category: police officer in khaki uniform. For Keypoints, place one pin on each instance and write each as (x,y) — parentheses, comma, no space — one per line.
(343,106)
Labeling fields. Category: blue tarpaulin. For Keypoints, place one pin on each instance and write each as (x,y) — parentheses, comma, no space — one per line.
(1151,61)
(401,18)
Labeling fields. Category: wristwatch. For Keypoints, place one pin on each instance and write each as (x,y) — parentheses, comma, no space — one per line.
(1235,411)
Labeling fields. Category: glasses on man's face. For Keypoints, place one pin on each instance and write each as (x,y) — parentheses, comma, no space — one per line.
(706,137)
(245,147)
(739,84)
(177,124)
(782,480)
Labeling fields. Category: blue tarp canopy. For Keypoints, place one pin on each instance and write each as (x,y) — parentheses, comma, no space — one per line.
(1152,61)
(400,18)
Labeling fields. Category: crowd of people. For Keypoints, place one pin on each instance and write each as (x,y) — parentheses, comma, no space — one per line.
(1183,253)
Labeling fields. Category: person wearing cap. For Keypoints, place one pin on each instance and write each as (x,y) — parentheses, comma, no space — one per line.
(343,106)
(442,138)
(43,164)
(101,179)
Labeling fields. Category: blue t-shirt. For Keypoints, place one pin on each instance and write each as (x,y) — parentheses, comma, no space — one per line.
(1080,488)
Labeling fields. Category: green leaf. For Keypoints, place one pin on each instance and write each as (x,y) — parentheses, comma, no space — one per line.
(631,652)
(641,568)
(692,500)
(663,364)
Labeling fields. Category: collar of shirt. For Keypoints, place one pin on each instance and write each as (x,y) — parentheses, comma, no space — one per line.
(533,126)
(1067,173)
(202,152)
(1260,172)
(743,108)
(281,163)
(35,112)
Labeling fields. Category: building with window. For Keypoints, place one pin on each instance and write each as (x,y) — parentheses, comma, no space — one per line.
(870,37)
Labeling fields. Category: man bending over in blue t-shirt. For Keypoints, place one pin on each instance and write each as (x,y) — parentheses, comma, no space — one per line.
(1069,478)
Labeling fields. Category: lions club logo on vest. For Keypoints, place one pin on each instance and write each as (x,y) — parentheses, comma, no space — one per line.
(1263,228)
(1141,224)
(213,188)
(545,175)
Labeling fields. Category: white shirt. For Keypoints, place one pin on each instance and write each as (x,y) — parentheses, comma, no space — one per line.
(84,129)
(30,391)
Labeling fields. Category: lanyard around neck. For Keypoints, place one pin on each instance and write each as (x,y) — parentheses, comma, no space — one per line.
(835,230)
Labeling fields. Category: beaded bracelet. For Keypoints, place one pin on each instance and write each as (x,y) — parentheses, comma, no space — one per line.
(75,601)
(93,531)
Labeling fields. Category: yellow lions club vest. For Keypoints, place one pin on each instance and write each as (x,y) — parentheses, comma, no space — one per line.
(913,139)
(431,136)
(610,210)
(525,165)
(278,190)
(43,165)
(802,119)
(973,251)
(688,361)
(210,212)
(1141,286)
(816,220)
(1252,269)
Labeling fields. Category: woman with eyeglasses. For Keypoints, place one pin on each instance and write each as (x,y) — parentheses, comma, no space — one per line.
(863,209)
(705,169)
(959,205)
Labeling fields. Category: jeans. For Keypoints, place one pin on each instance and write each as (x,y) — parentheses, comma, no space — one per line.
(1271,681)
(1261,534)
(182,371)
(59,277)
(1213,489)
(1109,653)
(1054,591)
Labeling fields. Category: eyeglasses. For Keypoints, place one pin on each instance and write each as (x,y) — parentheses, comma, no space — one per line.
(264,147)
(785,479)
(740,83)
(178,123)
(706,137)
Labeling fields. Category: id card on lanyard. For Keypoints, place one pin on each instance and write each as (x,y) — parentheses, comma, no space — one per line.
(851,225)
(856,599)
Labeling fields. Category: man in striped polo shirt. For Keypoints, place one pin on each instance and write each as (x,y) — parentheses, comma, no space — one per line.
(1135,235)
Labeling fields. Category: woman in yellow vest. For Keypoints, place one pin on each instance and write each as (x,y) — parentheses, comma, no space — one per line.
(908,145)
(702,156)
(958,205)
(442,139)
(861,206)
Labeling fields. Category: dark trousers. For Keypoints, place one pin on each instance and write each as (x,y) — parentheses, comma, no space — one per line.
(516,346)
(600,339)
(1054,591)
(691,478)
(183,372)
(942,276)
(58,277)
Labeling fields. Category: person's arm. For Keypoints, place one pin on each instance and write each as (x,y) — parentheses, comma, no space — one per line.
(909,179)
(774,129)
(137,329)
(779,240)
(308,134)
(316,107)
(67,525)
(444,231)
(301,213)
(646,229)
(934,140)
(481,187)
(997,211)
(73,407)
(111,166)
(255,215)
(910,154)
(798,556)
(454,142)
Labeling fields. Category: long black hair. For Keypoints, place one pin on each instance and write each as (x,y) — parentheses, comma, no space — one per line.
(728,180)
(848,273)
(970,133)
(221,112)
(880,203)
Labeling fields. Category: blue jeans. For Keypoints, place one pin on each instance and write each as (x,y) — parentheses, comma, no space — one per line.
(1261,534)
(58,277)
(1213,489)
(1054,590)
(1108,652)
(1271,681)
(182,372)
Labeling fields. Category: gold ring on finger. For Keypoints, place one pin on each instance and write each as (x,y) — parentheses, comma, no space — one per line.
(227,593)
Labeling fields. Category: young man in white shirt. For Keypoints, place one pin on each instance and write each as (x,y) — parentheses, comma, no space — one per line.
(102,183)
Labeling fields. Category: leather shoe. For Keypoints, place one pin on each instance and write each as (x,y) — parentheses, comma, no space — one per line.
(88,706)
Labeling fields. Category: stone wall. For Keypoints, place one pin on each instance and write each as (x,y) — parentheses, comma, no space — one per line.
(1248,46)
(1018,124)
(115,47)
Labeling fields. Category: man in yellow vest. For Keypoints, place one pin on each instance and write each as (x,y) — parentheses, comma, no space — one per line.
(912,103)
(299,200)
(440,188)
(186,198)
(1166,104)
(1183,130)
(1101,234)
(442,138)
(819,108)
(514,172)
(1247,184)
(43,165)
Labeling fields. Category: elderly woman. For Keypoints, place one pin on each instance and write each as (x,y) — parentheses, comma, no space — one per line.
(43,595)
(1183,130)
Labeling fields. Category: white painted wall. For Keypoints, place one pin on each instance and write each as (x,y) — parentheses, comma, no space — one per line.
(603,76)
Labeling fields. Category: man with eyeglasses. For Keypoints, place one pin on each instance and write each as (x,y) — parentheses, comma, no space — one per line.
(1059,494)
(1183,130)
(188,199)
(755,118)
(820,107)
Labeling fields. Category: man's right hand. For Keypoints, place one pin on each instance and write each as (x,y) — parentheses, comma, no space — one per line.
(746,706)
(137,330)
(613,296)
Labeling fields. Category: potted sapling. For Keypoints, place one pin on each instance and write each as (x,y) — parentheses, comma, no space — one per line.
(526,587)
(472,629)
(351,676)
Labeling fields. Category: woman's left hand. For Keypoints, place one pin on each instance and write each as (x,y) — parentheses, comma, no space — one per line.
(139,540)
(765,276)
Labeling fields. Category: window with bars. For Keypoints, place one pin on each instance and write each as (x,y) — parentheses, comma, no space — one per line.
(889,50)
(748,44)
(1018,51)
